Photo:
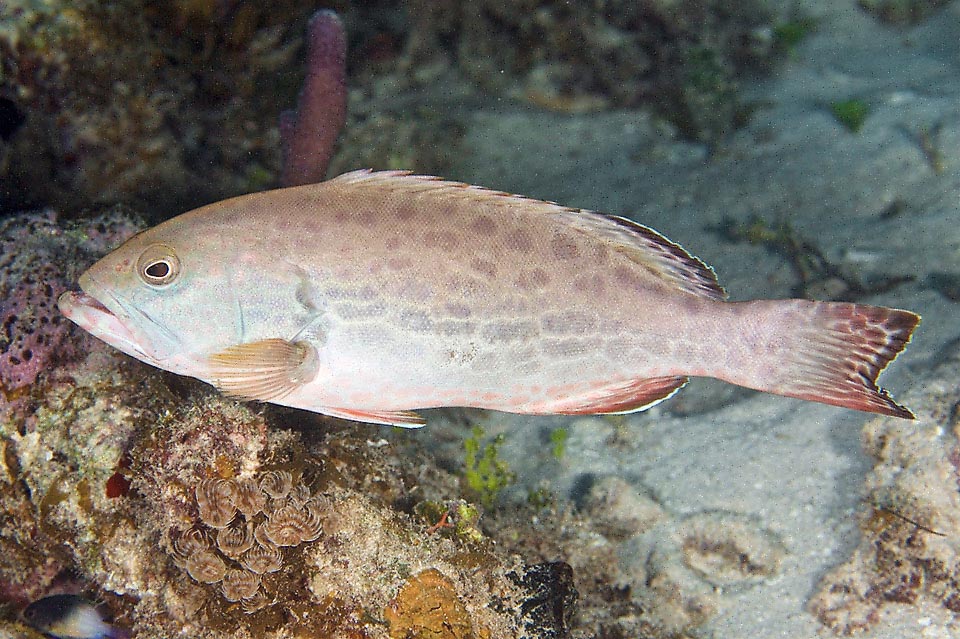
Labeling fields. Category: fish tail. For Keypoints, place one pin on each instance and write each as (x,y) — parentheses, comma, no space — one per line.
(828,352)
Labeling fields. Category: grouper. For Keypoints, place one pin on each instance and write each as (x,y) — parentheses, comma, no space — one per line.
(374,294)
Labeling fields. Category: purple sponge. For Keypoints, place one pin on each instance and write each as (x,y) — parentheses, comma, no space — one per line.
(39,259)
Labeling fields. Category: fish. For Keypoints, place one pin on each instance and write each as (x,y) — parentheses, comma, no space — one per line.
(375,294)
(70,617)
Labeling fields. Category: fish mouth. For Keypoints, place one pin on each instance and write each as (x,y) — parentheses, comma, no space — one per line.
(89,314)
(106,317)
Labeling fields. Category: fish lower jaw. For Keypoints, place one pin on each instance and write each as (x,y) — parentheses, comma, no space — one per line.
(92,316)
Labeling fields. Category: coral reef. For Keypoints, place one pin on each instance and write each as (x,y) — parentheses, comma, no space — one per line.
(259,530)
(162,105)
(82,122)
(910,523)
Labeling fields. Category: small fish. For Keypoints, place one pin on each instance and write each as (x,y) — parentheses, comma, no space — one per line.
(374,294)
(69,617)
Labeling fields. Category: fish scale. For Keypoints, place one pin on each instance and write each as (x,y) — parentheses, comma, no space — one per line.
(374,294)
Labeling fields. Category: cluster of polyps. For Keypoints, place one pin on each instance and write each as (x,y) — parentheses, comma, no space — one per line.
(244,524)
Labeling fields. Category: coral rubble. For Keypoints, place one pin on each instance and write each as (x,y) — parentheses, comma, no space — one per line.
(683,57)
(640,570)
(908,553)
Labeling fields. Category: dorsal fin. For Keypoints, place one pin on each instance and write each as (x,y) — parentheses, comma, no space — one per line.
(665,260)
(668,260)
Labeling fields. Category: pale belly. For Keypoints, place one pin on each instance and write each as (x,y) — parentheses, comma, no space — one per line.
(501,363)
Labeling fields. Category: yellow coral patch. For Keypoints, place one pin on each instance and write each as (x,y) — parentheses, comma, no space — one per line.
(427,607)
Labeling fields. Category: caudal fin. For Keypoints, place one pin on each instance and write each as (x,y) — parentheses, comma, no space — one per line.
(838,352)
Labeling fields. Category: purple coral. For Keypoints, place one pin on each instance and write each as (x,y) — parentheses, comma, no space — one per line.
(309,134)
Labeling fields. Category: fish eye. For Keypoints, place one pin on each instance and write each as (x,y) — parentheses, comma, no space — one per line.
(158,266)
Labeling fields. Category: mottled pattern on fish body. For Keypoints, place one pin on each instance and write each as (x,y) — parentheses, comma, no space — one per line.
(392,292)
(459,300)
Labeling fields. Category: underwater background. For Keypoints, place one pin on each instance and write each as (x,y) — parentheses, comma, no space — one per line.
(803,149)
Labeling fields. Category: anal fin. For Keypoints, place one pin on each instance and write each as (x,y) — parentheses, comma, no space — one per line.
(401,418)
(619,398)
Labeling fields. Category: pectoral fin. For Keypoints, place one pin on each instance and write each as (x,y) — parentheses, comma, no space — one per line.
(264,371)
